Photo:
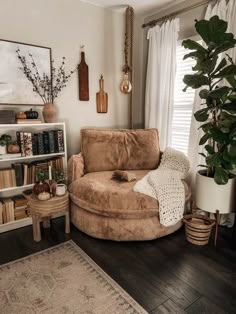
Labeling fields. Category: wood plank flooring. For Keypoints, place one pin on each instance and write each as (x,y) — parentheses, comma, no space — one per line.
(167,275)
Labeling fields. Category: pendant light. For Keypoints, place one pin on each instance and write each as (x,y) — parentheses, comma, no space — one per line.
(126,83)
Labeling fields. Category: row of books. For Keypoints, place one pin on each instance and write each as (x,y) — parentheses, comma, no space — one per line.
(47,142)
(13,208)
(25,173)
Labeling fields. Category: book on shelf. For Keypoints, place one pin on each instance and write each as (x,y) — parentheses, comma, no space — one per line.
(8,210)
(28,144)
(7,178)
(1,213)
(59,141)
(7,117)
(18,167)
(28,121)
(46,142)
(40,144)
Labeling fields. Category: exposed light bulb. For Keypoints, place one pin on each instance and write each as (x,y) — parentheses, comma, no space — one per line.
(125,85)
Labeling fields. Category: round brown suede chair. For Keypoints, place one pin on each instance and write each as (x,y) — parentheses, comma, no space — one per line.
(108,209)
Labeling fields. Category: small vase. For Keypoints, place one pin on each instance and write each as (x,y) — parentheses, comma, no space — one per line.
(49,112)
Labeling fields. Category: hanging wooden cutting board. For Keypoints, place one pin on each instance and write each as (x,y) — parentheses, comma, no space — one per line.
(83,72)
(102,98)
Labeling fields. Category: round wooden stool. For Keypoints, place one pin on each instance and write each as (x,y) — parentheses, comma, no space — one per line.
(43,210)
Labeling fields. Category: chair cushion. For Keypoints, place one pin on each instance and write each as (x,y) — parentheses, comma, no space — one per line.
(98,193)
(113,149)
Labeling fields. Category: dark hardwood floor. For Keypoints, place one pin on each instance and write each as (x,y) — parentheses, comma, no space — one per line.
(168,275)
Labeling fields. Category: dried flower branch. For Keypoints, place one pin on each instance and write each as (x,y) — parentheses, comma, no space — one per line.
(45,86)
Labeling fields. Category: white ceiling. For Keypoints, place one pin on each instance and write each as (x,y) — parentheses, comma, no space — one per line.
(140,6)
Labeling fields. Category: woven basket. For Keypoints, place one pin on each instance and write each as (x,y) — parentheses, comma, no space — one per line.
(198,228)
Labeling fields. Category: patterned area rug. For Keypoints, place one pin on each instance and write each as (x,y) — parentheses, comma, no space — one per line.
(62,279)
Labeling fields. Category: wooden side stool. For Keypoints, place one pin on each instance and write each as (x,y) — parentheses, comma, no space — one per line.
(43,210)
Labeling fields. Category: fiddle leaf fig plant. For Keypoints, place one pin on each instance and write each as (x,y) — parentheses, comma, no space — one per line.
(216,77)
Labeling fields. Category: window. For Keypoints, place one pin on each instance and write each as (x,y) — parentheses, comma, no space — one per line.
(183,102)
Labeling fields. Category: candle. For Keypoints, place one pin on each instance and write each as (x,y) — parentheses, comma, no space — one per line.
(50,173)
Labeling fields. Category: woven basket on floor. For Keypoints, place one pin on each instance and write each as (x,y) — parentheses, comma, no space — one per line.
(198,228)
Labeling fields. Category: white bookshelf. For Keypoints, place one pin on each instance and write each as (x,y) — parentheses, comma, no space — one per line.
(6,163)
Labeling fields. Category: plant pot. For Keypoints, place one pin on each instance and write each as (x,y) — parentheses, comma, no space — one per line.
(211,196)
(3,150)
(198,228)
(49,112)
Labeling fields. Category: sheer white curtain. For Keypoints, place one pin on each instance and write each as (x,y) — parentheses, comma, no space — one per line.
(226,11)
(160,80)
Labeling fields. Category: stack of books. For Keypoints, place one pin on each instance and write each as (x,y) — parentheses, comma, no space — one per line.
(28,121)
(6,210)
(47,142)
(7,116)
(14,208)
(21,209)
(7,178)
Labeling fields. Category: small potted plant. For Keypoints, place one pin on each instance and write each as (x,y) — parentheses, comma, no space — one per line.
(5,139)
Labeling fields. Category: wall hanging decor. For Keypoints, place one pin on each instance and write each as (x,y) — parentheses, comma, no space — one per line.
(102,98)
(14,88)
(47,87)
(83,73)
(126,83)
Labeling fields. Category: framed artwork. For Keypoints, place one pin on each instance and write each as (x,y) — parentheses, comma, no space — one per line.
(15,89)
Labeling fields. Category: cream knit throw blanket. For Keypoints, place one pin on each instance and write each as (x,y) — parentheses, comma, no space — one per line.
(165,185)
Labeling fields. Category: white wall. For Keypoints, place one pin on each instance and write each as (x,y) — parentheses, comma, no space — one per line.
(64,25)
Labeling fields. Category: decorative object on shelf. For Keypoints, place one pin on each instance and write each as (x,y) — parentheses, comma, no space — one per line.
(13,148)
(15,90)
(31,114)
(49,112)
(217,114)
(20,115)
(102,98)
(126,83)
(5,139)
(198,228)
(44,196)
(61,189)
(40,187)
(46,86)
(83,73)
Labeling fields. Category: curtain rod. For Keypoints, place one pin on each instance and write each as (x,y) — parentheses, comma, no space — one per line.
(154,22)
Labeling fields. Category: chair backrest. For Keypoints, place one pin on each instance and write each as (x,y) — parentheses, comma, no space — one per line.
(111,149)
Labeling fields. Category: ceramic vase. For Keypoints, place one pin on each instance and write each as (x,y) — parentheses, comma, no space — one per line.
(49,112)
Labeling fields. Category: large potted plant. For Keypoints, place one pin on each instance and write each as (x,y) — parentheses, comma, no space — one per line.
(215,75)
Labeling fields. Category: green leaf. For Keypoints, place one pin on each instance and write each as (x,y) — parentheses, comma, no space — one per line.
(204,93)
(218,93)
(201,115)
(221,65)
(230,107)
(202,27)
(232,81)
(204,139)
(232,149)
(230,43)
(218,135)
(209,149)
(197,55)
(195,80)
(193,45)
(213,160)
(227,71)
(206,126)
(221,176)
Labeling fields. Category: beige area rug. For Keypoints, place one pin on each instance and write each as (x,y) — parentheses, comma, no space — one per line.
(62,279)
